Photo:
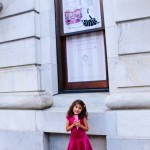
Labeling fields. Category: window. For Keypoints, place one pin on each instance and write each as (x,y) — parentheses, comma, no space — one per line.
(81,48)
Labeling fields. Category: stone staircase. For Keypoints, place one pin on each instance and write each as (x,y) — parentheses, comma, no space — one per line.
(45,129)
(54,120)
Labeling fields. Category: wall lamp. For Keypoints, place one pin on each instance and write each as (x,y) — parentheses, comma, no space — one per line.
(1,6)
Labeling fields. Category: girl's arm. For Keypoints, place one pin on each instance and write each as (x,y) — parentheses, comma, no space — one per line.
(85,126)
(68,128)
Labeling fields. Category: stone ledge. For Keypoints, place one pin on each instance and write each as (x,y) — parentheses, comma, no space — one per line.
(128,100)
(38,100)
(54,121)
(90,99)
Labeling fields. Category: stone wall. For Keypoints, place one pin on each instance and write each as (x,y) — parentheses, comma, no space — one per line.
(128,40)
(28,67)
(28,79)
(128,49)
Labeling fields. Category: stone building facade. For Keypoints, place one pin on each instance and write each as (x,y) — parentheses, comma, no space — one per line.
(32,114)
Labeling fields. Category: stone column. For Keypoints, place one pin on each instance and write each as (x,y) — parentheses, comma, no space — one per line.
(24,77)
(128,47)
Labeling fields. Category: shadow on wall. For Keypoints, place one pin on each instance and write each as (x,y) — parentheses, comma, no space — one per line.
(1,6)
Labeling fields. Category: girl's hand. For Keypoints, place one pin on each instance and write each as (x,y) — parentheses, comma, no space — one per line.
(69,127)
(85,126)
(74,124)
(77,123)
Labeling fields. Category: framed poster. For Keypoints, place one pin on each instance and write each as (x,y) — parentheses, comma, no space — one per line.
(81,15)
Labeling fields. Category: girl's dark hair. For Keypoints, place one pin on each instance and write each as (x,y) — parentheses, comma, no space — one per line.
(83,113)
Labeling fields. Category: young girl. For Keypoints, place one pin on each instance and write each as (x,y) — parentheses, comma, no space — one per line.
(77,123)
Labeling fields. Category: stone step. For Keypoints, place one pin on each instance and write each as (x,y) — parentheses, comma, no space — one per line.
(60,141)
(90,99)
(54,120)
(128,143)
(23,141)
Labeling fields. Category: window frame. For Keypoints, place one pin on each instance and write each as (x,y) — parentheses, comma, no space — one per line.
(67,87)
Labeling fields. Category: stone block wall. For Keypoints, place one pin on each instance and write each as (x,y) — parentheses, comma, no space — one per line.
(28,79)
(128,39)
(128,49)
(28,66)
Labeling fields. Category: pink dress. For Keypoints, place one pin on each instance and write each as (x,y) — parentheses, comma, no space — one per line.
(78,138)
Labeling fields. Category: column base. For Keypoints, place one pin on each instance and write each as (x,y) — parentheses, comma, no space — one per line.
(128,100)
(30,100)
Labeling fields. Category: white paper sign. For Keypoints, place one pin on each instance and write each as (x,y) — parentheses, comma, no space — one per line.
(80,15)
(86,57)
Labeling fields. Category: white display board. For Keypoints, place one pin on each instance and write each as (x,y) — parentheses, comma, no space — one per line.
(86,57)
